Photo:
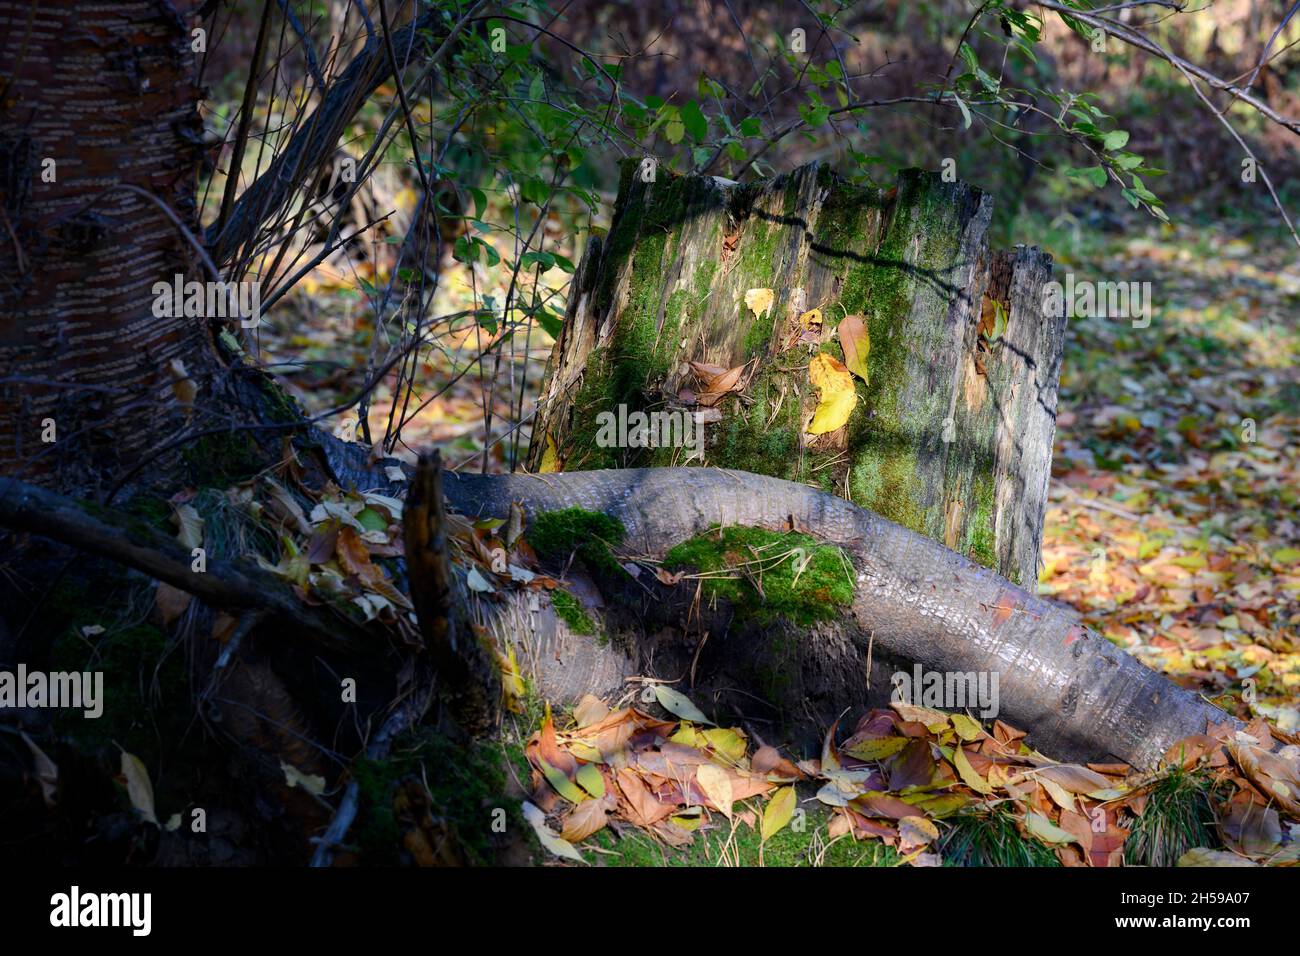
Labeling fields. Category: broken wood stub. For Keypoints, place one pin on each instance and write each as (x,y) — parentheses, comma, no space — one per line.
(466,672)
(951,433)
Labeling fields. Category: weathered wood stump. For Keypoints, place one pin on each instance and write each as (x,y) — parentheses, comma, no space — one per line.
(951,434)
(735,305)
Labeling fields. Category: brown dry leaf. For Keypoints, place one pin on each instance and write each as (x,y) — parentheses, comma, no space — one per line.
(190,526)
(171,602)
(585,819)
(590,710)
(1074,778)
(716,382)
(856,342)
(915,832)
(183,387)
(283,505)
(669,578)
(643,809)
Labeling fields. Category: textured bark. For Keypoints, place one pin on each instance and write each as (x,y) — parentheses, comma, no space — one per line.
(951,436)
(106,92)
(1079,696)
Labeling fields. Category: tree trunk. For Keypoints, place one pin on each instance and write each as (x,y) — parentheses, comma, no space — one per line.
(952,434)
(98,100)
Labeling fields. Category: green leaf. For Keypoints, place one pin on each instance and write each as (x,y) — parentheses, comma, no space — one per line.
(814,115)
(562,784)
(694,121)
(589,779)
(751,126)
(1116,139)
(674,131)
(550,322)
(1093,175)
(965,110)
(679,705)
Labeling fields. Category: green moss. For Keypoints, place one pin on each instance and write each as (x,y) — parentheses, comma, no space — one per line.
(738,562)
(571,612)
(145,693)
(222,459)
(556,535)
(466,784)
(763,437)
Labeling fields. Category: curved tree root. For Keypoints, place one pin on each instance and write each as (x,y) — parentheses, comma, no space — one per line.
(1079,696)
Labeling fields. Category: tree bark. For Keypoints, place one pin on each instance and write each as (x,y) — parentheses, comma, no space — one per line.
(96,97)
(952,434)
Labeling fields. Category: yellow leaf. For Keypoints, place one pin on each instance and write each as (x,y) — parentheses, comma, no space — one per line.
(778,812)
(562,784)
(1046,830)
(968,774)
(311,782)
(551,457)
(759,301)
(856,341)
(513,688)
(729,743)
(836,398)
(138,788)
(967,728)
(812,319)
(716,786)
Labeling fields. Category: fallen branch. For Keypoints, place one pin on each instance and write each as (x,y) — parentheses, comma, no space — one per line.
(233,584)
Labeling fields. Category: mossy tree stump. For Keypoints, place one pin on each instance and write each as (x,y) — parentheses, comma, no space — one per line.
(952,432)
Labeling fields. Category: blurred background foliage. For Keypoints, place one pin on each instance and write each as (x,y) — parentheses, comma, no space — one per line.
(519,132)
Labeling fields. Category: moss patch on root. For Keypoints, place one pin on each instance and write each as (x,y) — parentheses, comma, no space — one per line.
(555,535)
(570,610)
(766,574)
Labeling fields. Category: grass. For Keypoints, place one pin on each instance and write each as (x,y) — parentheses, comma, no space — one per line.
(1178,817)
(991,838)
(717,847)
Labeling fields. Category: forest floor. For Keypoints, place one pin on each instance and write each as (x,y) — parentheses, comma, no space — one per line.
(1172,525)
